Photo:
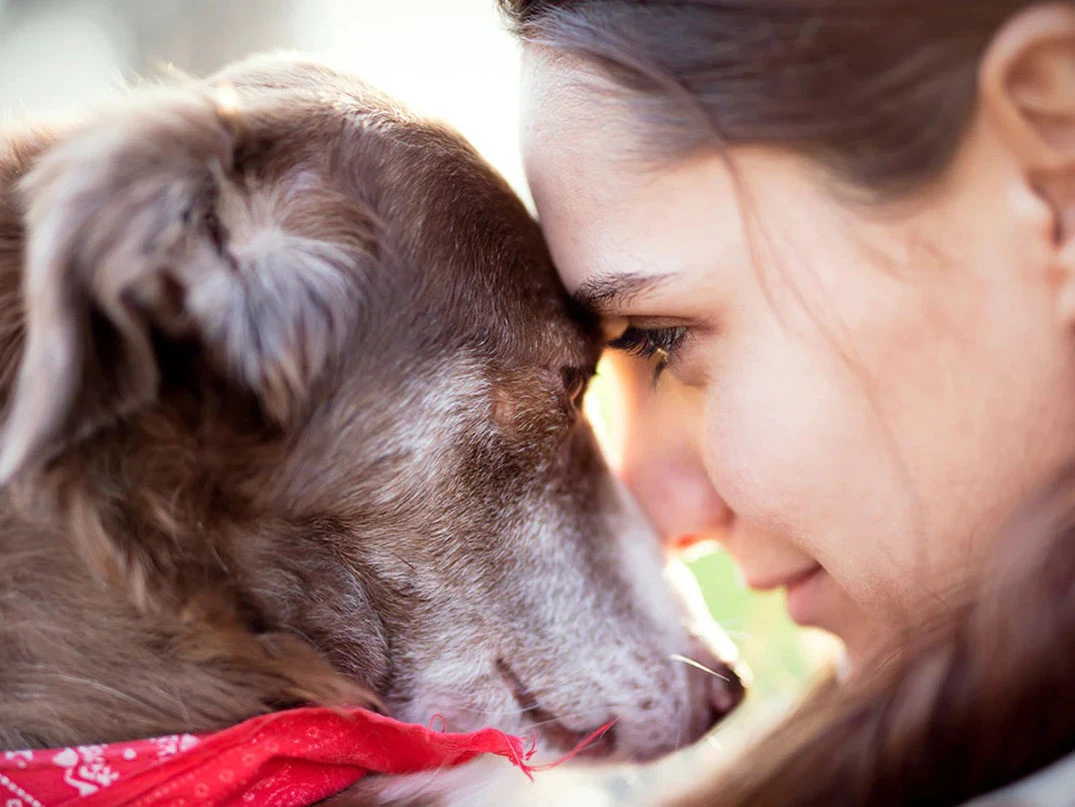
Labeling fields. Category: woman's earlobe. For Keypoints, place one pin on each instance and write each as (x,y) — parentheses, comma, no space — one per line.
(1063,272)
(1066,301)
(1058,239)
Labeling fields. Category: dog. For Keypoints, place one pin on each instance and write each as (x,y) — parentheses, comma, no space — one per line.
(292,415)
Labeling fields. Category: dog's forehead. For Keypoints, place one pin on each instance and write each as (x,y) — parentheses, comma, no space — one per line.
(474,250)
(446,225)
(473,239)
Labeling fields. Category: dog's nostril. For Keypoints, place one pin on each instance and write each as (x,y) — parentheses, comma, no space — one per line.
(716,684)
(726,691)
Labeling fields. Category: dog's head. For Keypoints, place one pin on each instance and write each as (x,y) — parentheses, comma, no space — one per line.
(303,349)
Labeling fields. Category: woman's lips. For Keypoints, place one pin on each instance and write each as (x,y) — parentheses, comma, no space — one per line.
(802,589)
(784,580)
(803,597)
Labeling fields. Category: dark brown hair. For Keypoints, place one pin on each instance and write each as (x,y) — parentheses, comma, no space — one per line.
(880,92)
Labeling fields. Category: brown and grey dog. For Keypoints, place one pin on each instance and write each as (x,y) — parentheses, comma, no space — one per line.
(291,398)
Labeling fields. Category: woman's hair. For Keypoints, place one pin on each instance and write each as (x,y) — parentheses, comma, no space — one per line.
(880,92)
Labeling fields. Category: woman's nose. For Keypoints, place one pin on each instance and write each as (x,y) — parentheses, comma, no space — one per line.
(656,449)
(677,498)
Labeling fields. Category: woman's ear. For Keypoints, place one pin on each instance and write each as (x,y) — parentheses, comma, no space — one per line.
(1027,92)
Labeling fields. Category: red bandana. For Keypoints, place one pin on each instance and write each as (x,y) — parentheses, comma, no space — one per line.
(285,759)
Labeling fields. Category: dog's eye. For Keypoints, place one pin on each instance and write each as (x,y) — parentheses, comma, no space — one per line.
(576,380)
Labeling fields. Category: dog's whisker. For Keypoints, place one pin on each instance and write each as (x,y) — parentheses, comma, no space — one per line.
(698,666)
(570,716)
(495,712)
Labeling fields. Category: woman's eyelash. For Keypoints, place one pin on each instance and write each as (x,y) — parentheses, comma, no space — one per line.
(649,342)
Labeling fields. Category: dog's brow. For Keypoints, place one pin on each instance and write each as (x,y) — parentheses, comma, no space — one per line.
(609,293)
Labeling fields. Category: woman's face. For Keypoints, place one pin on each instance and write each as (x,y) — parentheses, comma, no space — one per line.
(855,396)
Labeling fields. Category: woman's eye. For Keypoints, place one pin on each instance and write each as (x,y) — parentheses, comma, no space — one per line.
(648,343)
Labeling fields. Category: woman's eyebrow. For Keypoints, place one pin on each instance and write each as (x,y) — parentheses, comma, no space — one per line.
(610,293)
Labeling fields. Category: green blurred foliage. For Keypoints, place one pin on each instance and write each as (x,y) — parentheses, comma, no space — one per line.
(782,657)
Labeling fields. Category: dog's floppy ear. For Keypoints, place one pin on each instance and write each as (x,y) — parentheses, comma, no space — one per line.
(139,225)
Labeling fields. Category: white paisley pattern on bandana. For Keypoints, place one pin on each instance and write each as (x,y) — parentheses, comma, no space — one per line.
(84,769)
(292,758)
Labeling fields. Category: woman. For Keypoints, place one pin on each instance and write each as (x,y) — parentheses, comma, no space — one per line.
(842,232)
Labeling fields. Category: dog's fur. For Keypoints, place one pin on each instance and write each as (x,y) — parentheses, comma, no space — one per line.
(291,395)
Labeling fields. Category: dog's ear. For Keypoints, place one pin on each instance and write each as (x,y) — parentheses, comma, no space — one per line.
(145,227)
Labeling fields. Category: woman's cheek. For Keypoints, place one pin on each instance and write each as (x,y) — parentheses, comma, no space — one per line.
(794,448)
(769,447)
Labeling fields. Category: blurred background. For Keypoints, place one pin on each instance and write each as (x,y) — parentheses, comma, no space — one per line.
(450,59)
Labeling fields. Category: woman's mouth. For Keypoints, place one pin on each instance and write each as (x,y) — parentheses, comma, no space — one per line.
(803,596)
(803,590)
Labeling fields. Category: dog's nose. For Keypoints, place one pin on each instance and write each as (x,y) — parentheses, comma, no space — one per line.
(718,680)
(726,691)
(718,686)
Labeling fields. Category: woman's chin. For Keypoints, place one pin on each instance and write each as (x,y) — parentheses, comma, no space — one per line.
(819,602)
(863,649)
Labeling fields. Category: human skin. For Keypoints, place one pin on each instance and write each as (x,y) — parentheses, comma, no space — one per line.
(857,393)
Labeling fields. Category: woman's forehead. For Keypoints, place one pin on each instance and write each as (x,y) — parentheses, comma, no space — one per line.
(603,220)
(570,111)
(608,210)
